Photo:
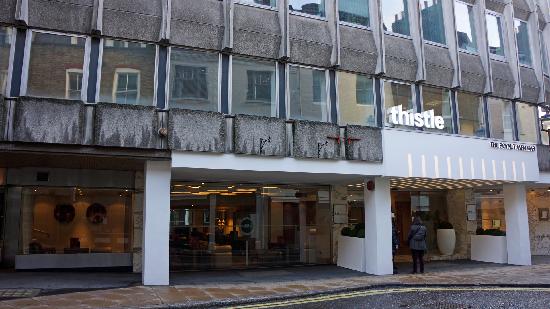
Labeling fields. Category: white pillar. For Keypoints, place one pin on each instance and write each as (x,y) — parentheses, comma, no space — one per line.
(378,231)
(156,223)
(517,224)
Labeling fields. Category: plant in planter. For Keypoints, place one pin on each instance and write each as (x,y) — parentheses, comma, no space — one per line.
(490,232)
(446,238)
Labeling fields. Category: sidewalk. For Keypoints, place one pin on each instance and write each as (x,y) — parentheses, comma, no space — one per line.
(231,287)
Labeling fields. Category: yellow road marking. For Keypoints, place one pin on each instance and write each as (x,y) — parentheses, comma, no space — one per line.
(316,299)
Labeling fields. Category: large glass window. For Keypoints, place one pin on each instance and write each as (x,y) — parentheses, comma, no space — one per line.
(526,116)
(5,46)
(193,80)
(522,38)
(356,99)
(544,54)
(217,225)
(76,220)
(52,57)
(438,100)
(465,26)
(396,94)
(395,15)
(432,21)
(253,87)
(354,11)
(272,3)
(470,115)
(308,94)
(495,36)
(501,119)
(545,122)
(310,7)
(127,72)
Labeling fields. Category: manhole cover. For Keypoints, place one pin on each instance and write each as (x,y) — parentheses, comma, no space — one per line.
(18,293)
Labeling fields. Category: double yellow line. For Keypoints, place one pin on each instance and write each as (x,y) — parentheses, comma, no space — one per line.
(333,297)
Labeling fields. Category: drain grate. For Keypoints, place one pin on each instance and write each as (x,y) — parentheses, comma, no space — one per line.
(18,293)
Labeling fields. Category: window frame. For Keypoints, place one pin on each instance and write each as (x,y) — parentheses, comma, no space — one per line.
(536,117)
(489,124)
(500,17)
(529,37)
(337,82)
(327,90)
(68,82)
(115,83)
(383,100)
(399,35)
(257,5)
(23,89)
(452,125)
(475,30)
(9,71)
(544,55)
(429,42)
(483,117)
(324,18)
(354,25)
(230,86)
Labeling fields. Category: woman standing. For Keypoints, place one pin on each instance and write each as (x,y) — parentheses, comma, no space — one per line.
(417,243)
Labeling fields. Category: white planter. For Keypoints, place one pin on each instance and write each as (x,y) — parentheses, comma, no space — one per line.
(446,241)
(351,253)
(491,249)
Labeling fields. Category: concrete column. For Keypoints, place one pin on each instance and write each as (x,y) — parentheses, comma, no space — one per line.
(517,224)
(378,232)
(156,223)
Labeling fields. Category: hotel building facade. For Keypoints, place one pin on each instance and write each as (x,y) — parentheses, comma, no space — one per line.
(175,135)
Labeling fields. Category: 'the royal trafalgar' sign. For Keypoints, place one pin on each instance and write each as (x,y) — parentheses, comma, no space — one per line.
(426,119)
(513,146)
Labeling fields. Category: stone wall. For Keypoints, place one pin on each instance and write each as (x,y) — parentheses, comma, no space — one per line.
(339,196)
(456,209)
(539,230)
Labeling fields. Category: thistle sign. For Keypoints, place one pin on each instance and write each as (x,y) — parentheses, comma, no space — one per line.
(426,119)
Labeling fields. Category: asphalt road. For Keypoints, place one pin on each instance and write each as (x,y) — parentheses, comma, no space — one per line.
(425,298)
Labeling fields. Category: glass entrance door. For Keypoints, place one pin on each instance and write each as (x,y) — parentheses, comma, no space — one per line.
(219,226)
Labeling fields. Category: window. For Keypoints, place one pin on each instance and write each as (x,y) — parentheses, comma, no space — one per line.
(193,80)
(308,94)
(500,118)
(438,100)
(74,84)
(465,27)
(356,100)
(127,86)
(271,3)
(50,56)
(526,116)
(5,46)
(470,115)
(253,87)
(354,11)
(545,119)
(128,73)
(522,38)
(309,7)
(432,21)
(395,14)
(495,35)
(396,94)
(544,53)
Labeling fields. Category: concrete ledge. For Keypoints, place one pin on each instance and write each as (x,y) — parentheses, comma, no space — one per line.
(133,126)
(364,144)
(316,140)
(66,15)
(265,136)
(543,153)
(67,261)
(53,121)
(193,130)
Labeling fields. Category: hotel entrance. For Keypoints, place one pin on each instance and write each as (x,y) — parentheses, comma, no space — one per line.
(228,225)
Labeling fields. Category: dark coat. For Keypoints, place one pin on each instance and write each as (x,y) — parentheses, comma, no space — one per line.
(417,236)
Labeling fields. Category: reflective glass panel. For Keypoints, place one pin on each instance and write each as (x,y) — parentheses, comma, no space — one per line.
(193,80)
(494,34)
(356,100)
(526,116)
(438,100)
(522,38)
(500,118)
(272,3)
(310,7)
(354,11)
(5,46)
(128,72)
(395,15)
(253,87)
(470,115)
(54,62)
(432,21)
(308,94)
(396,94)
(465,27)
(545,133)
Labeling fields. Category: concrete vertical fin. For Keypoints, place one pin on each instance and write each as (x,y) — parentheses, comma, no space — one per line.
(534,39)
(452,40)
(418,41)
(511,47)
(334,30)
(284,49)
(22,11)
(378,33)
(97,18)
(166,20)
(228,13)
(483,45)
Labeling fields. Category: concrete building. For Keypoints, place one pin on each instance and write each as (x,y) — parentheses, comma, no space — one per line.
(174,135)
